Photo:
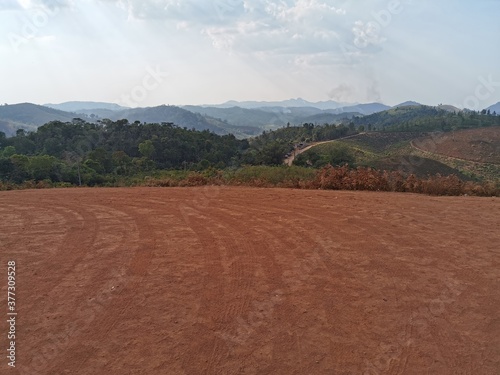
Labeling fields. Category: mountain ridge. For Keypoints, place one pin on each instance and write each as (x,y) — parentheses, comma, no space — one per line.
(240,121)
(75,106)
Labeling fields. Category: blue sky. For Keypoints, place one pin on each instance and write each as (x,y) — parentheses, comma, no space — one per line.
(145,53)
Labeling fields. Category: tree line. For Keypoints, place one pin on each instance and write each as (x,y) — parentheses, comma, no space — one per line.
(79,152)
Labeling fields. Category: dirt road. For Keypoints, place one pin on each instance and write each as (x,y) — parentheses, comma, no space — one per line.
(250,281)
(289,161)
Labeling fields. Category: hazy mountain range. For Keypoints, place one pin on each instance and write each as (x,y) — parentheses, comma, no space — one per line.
(494,108)
(243,119)
(82,106)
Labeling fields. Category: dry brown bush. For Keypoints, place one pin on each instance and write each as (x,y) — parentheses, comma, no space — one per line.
(44,184)
(343,178)
(194,179)
(164,182)
(30,184)
(439,185)
(396,181)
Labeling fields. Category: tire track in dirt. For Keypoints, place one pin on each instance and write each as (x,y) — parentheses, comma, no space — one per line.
(57,268)
(233,280)
(11,217)
(310,261)
(231,275)
(319,250)
(115,304)
(225,227)
(60,261)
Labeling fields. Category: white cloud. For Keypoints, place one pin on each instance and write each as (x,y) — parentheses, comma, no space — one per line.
(48,4)
(293,27)
(192,11)
(366,34)
(8,5)
(302,9)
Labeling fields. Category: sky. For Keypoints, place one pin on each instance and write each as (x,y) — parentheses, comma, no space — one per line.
(140,53)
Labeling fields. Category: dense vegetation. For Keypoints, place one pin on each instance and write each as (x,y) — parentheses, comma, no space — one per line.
(113,153)
(80,152)
(86,153)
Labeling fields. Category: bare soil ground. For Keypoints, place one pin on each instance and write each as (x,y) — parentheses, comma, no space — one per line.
(479,145)
(225,280)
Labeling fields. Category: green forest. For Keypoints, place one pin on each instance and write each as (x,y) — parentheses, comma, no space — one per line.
(83,153)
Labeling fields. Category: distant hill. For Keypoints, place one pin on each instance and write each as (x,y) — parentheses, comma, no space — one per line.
(448,108)
(299,102)
(494,108)
(238,120)
(98,113)
(29,116)
(239,116)
(269,118)
(330,118)
(407,104)
(423,119)
(85,106)
(366,109)
(173,114)
(400,116)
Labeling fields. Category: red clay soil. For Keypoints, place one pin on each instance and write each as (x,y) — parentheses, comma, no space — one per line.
(227,280)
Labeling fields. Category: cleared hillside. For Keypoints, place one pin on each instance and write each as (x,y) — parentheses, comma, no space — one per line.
(478,145)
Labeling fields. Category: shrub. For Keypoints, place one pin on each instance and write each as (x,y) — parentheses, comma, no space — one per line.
(343,178)
(194,179)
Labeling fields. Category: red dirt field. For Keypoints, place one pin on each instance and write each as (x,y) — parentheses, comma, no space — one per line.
(228,280)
